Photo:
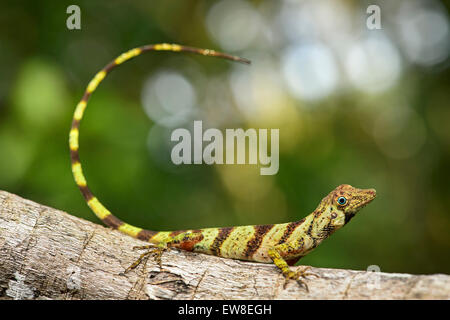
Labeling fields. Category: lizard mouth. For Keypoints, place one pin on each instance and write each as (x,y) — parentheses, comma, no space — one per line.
(365,196)
(370,194)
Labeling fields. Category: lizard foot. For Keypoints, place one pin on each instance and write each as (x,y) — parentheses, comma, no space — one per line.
(298,276)
(151,250)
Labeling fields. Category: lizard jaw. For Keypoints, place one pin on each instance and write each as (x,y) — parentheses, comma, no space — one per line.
(358,199)
(369,195)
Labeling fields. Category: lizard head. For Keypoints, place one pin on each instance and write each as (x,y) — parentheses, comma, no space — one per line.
(339,207)
(336,210)
(345,201)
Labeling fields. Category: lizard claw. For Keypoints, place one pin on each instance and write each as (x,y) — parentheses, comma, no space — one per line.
(306,273)
(300,281)
(135,248)
(153,250)
(298,275)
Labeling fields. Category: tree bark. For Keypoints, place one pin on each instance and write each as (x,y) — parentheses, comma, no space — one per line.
(48,254)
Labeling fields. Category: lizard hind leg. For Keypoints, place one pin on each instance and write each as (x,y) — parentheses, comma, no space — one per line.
(154,250)
(185,241)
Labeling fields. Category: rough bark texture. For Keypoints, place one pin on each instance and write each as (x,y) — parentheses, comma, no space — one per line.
(48,254)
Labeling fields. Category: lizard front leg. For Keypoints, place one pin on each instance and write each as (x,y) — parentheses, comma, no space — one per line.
(184,241)
(283,251)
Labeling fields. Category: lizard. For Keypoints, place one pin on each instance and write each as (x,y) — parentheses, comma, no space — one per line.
(281,244)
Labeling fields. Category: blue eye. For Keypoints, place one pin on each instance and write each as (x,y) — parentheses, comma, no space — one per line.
(342,201)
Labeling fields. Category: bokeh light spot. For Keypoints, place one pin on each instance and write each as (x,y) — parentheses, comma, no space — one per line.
(373,64)
(161,103)
(227,20)
(310,71)
(424,32)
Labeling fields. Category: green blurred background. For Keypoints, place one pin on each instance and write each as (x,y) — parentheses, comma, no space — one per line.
(365,107)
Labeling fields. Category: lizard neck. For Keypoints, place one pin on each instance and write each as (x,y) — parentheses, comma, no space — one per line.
(322,224)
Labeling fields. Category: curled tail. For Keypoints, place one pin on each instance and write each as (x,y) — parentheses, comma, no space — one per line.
(100,211)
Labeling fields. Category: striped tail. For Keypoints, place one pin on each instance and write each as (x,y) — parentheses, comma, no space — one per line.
(96,206)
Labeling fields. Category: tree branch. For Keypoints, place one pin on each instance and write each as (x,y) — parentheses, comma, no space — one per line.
(48,254)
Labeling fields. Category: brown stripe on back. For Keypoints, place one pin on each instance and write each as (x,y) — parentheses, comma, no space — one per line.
(255,242)
(112,221)
(146,235)
(177,232)
(219,239)
(289,229)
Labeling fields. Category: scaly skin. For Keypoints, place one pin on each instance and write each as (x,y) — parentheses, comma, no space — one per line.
(283,244)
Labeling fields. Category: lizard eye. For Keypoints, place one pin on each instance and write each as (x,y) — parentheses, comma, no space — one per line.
(342,201)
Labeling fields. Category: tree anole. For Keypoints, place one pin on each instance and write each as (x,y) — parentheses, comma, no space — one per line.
(282,244)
